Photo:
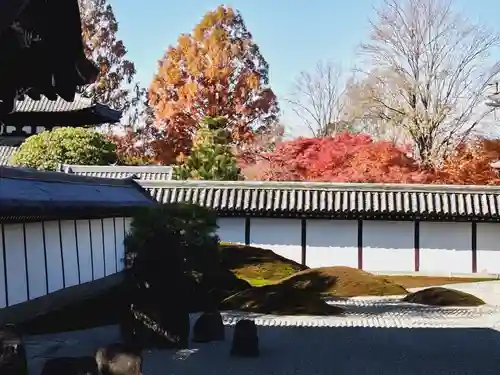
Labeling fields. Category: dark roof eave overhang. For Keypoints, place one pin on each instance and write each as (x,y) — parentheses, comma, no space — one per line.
(328,215)
(95,115)
(66,212)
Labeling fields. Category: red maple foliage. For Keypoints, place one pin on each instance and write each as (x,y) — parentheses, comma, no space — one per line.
(344,157)
(132,148)
(470,164)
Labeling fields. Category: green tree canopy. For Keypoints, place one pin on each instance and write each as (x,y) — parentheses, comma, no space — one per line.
(46,150)
(211,157)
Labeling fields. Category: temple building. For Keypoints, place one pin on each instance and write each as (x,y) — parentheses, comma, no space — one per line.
(35,116)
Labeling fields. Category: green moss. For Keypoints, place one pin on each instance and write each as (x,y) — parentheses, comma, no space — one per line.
(443,297)
(253,263)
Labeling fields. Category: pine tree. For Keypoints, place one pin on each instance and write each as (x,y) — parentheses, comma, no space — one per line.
(211,157)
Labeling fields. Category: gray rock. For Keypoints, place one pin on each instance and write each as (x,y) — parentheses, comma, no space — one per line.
(119,359)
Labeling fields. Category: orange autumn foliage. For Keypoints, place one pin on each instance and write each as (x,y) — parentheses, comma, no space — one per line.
(470,164)
(216,70)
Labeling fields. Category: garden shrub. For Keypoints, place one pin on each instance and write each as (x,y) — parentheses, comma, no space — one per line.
(174,249)
(171,242)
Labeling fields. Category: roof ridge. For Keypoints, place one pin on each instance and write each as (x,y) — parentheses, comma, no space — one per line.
(58,177)
(302,185)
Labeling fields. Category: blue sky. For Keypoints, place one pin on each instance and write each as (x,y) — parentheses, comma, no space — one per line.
(293,35)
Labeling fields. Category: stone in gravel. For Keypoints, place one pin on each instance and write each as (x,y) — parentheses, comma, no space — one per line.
(12,352)
(245,339)
(119,359)
(70,366)
(208,327)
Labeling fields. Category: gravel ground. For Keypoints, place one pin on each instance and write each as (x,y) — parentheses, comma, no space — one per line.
(376,336)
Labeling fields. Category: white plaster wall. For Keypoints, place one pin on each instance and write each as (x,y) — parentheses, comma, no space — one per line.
(15,267)
(331,243)
(120,231)
(283,236)
(388,246)
(231,229)
(54,252)
(109,242)
(35,253)
(445,247)
(44,257)
(488,247)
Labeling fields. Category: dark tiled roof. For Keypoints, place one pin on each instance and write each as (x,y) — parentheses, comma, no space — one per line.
(6,153)
(331,200)
(58,105)
(26,192)
(60,112)
(147,172)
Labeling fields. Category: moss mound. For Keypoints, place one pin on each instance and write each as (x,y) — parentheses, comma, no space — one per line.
(279,300)
(256,264)
(343,282)
(438,296)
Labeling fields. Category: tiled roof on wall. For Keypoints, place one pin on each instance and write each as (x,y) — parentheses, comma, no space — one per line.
(6,153)
(334,200)
(147,172)
(26,192)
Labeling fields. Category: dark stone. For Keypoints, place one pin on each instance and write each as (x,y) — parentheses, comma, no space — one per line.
(70,366)
(12,352)
(119,359)
(245,339)
(209,327)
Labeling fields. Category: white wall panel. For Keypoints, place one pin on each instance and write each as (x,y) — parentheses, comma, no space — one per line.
(35,252)
(84,246)
(283,236)
(54,255)
(231,229)
(388,246)
(17,285)
(332,243)
(445,247)
(488,247)
(69,253)
(119,237)
(110,245)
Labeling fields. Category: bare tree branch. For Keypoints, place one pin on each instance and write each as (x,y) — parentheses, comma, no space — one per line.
(429,71)
(317,99)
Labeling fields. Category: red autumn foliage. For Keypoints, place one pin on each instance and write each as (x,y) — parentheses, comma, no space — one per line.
(470,164)
(132,148)
(344,157)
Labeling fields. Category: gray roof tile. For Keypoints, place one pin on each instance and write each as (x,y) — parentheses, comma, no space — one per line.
(29,192)
(58,105)
(398,201)
(6,153)
(147,172)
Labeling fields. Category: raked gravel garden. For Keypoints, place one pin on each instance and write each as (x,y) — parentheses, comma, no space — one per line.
(334,320)
(375,335)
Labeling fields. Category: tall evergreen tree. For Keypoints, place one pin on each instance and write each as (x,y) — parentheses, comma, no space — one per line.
(211,157)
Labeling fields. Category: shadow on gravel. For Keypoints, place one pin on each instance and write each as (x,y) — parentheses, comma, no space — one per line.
(291,350)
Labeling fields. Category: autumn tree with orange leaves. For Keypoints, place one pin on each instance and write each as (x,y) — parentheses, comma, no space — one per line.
(471,164)
(99,28)
(217,70)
